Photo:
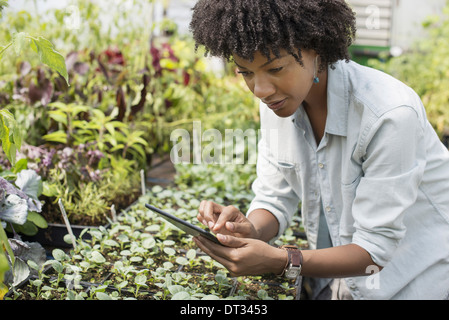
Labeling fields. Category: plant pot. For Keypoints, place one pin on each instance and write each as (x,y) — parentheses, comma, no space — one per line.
(53,235)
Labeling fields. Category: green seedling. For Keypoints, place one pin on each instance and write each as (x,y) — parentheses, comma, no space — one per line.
(139,281)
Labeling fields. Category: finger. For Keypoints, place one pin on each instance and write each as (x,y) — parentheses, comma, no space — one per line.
(211,212)
(202,205)
(200,219)
(230,226)
(200,215)
(223,254)
(231,241)
(243,229)
(227,214)
(212,250)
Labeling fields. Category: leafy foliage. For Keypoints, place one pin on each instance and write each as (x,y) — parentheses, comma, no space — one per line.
(11,140)
(44,48)
(87,141)
(142,256)
(426,69)
(16,200)
(128,115)
(3,4)
(49,56)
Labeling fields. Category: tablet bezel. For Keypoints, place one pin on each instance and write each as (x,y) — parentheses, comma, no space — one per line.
(184,225)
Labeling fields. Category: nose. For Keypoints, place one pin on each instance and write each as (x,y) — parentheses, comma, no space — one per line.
(263,88)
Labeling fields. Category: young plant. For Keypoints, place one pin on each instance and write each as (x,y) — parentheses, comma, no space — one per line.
(41,276)
(139,281)
(263,295)
(120,285)
(222,280)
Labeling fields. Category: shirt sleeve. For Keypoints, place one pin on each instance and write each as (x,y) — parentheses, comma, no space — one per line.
(272,191)
(393,166)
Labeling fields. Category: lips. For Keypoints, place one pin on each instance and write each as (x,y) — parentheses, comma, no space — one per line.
(276,105)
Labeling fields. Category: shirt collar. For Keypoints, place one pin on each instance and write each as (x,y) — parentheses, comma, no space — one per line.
(337,100)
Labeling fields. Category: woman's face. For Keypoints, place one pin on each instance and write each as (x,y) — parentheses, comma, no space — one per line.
(281,83)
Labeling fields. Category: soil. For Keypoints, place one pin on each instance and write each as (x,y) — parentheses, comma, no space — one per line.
(162,172)
(52,212)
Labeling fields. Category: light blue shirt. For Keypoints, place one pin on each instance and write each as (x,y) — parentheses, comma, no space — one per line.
(381,173)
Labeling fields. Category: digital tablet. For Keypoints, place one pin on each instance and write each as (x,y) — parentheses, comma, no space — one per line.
(184,225)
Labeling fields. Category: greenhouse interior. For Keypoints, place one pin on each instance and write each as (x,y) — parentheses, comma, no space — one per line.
(108,106)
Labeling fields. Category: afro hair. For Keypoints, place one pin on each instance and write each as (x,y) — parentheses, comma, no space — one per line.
(242,27)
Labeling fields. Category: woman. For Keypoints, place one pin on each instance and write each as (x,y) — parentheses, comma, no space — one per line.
(350,144)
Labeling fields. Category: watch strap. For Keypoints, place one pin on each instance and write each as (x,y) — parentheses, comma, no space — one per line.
(294,257)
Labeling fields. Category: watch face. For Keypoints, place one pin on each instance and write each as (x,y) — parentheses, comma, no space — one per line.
(293,272)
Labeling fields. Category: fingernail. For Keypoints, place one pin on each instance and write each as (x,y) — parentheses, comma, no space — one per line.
(230,226)
(221,237)
(211,224)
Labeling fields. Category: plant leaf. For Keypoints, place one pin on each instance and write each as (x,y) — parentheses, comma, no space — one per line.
(174,289)
(102,296)
(51,57)
(19,40)
(28,251)
(57,136)
(3,4)
(31,184)
(98,257)
(191,254)
(58,116)
(14,209)
(141,280)
(37,219)
(148,243)
(59,255)
(20,165)
(182,261)
(4,244)
(49,190)
(181,295)
(11,141)
(21,271)
(210,297)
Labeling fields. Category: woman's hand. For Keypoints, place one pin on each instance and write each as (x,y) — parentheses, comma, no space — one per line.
(244,256)
(225,220)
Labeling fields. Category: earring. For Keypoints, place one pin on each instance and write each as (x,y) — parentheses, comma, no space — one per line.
(315,77)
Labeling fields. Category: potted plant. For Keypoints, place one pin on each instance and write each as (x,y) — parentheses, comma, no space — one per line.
(19,198)
(141,256)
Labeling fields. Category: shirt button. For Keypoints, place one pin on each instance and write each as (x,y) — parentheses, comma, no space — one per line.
(328,208)
(320,165)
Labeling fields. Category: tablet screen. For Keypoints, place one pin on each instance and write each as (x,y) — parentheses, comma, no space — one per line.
(184,225)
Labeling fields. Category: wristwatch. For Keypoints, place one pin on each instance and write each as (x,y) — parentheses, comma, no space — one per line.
(293,267)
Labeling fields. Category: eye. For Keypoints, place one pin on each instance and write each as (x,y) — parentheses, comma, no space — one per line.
(244,73)
(276,70)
